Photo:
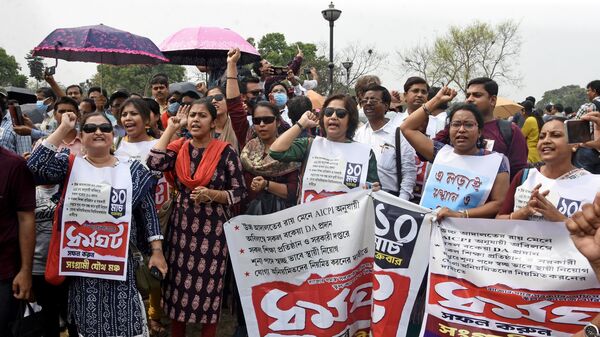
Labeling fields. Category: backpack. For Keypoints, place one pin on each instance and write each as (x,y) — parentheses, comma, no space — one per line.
(506,131)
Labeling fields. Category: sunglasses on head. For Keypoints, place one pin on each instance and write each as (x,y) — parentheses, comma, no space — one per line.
(266,120)
(217,98)
(340,113)
(91,128)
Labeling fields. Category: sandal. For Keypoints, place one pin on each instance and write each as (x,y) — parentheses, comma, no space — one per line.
(157,329)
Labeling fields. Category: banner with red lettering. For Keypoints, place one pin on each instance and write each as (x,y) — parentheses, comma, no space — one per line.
(402,232)
(507,278)
(96,221)
(307,270)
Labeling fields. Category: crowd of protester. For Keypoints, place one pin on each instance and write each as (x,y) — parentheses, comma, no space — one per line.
(245,145)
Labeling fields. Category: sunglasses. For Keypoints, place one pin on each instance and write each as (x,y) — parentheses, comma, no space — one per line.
(266,120)
(217,98)
(340,113)
(91,128)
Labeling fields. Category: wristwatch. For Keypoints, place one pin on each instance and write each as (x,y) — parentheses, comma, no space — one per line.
(591,330)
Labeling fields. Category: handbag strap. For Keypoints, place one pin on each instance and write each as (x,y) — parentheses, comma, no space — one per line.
(398,159)
(61,201)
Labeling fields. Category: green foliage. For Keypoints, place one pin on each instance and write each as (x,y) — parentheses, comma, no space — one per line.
(9,71)
(134,78)
(36,66)
(569,95)
(274,48)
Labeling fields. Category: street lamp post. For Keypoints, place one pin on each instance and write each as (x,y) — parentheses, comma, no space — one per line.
(347,65)
(331,14)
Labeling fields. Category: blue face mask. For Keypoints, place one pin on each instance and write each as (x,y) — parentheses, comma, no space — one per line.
(280,99)
(173,107)
(41,106)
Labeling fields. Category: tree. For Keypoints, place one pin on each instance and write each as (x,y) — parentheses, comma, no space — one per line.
(568,95)
(135,78)
(36,66)
(9,71)
(463,53)
(365,59)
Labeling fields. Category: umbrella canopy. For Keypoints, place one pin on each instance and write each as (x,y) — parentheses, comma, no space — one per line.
(206,46)
(21,95)
(316,99)
(100,44)
(505,108)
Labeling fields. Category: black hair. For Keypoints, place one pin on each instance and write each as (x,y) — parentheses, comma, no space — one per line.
(488,84)
(190,93)
(529,112)
(531,99)
(556,118)
(432,92)
(140,105)
(386,98)
(85,117)
(568,110)
(67,100)
(75,86)
(221,89)
(154,108)
(283,84)
(594,85)
(265,104)
(558,107)
(244,83)
(472,108)
(91,102)
(414,80)
(208,104)
(97,89)
(350,106)
(47,92)
(548,107)
(117,94)
(256,67)
(297,106)
(160,79)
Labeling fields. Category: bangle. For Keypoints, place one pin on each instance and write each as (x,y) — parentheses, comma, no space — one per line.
(424,106)
(232,78)
(300,125)
(467,213)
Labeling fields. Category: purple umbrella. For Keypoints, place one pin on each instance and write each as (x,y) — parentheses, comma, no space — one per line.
(99,44)
(206,46)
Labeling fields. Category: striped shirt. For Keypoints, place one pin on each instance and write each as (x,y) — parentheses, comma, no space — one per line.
(10,140)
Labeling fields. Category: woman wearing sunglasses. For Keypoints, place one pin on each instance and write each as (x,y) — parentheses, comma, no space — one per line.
(231,124)
(100,306)
(348,164)
(465,180)
(208,175)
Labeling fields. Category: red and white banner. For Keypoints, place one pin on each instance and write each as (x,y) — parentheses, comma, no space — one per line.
(401,254)
(507,278)
(309,270)
(96,221)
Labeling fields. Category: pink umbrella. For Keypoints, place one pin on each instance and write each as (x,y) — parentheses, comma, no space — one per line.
(206,46)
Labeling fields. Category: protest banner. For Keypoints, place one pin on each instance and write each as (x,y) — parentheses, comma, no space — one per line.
(507,278)
(306,270)
(96,221)
(401,255)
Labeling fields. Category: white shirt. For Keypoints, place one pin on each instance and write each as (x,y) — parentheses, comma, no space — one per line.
(436,124)
(383,142)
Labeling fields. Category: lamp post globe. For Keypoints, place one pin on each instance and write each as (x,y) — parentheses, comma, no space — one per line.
(331,14)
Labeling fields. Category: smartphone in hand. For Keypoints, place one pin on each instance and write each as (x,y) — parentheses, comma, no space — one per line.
(579,131)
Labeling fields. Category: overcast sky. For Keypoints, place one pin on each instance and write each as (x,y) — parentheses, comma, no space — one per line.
(561,39)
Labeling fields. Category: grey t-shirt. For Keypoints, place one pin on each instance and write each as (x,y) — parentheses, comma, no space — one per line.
(44,213)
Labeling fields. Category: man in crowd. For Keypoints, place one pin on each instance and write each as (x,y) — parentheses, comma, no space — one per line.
(501,136)
(9,139)
(45,104)
(87,106)
(160,92)
(264,70)
(17,235)
(593,94)
(251,92)
(99,96)
(397,176)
